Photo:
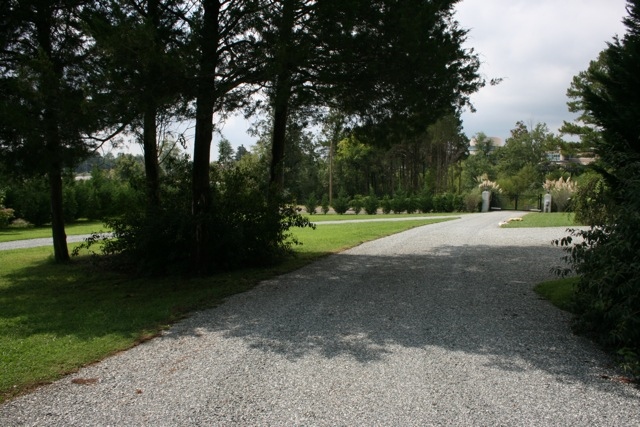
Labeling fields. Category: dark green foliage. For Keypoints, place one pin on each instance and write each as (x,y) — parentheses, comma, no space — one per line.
(371,204)
(386,204)
(607,259)
(6,215)
(341,203)
(311,204)
(412,204)
(400,202)
(425,202)
(30,200)
(591,202)
(448,202)
(324,203)
(608,292)
(357,204)
(244,230)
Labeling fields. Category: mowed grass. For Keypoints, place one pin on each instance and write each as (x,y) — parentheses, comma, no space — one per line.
(79,228)
(559,292)
(539,219)
(56,318)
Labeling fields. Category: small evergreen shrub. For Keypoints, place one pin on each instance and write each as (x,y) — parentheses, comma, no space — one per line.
(371,204)
(357,204)
(425,202)
(400,202)
(341,204)
(385,204)
(324,203)
(311,204)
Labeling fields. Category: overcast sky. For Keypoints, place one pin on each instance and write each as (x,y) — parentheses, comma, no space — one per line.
(537,46)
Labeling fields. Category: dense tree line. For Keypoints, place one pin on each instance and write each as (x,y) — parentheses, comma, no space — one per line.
(74,74)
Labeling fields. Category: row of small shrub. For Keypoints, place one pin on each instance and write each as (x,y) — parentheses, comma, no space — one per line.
(99,198)
(401,202)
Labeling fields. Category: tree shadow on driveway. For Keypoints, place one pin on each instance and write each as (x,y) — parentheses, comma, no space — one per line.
(475,300)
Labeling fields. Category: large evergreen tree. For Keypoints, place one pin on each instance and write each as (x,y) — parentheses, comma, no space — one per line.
(48,101)
(394,63)
(608,260)
(144,49)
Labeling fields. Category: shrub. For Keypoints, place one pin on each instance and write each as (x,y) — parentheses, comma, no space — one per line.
(31,201)
(371,204)
(400,202)
(357,204)
(592,200)
(341,204)
(325,204)
(242,229)
(5,216)
(311,204)
(425,202)
(473,201)
(561,191)
(385,204)
(608,290)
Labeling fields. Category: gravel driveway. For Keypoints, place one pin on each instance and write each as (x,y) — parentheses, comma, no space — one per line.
(434,326)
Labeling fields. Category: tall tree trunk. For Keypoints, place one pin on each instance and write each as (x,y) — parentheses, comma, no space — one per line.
(150,114)
(53,145)
(280,120)
(281,99)
(205,103)
(60,249)
(151,167)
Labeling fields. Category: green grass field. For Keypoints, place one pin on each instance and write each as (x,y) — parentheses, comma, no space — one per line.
(559,292)
(57,318)
(539,219)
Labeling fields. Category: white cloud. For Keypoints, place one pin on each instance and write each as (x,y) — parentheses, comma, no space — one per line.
(537,47)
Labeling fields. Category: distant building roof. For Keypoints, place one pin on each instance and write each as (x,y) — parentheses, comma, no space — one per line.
(495,142)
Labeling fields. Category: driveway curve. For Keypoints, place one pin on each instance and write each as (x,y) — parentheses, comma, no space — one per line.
(434,326)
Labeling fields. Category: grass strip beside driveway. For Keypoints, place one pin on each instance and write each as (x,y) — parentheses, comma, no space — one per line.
(57,318)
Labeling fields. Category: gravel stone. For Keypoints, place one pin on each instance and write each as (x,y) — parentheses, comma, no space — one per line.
(435,326)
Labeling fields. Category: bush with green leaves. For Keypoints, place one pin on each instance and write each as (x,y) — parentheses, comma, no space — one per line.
(341,204)
(607,296)
(30,200)
(243,228)
(592,199)
(473,201)
(425,202)
(6,214)
(324,204)
(357,203)
(371,203)
(386,204)
(311,204)
(400,202)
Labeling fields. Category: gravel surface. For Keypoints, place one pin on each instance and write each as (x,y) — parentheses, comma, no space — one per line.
(32,243)
(434,326)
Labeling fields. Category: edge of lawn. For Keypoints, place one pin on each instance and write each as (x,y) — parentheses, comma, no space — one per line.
(183,296)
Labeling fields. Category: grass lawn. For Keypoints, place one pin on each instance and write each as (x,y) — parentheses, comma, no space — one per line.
(558,292)
(57,318)
(83,227)
(539,219)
